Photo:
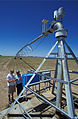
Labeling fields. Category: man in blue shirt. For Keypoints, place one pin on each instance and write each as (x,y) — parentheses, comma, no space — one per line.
(19,82)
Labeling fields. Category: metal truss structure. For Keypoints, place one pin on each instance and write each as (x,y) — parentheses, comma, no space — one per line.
(61,73)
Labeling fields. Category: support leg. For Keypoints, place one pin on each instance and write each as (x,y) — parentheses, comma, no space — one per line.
(59,76)
(59,85)
(9,98)
(68,90)
(55,75)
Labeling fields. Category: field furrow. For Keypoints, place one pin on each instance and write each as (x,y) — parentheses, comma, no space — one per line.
(25,64)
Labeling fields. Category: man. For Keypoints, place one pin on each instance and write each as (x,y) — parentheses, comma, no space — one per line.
(11,85)
(19,82)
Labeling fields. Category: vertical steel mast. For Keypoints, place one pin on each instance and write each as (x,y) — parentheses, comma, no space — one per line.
(62,66)
(61,74)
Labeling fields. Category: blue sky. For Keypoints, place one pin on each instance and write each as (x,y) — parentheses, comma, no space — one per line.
(20,23)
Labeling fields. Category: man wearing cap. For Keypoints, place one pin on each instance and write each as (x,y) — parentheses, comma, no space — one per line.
(19,82)
(11,85)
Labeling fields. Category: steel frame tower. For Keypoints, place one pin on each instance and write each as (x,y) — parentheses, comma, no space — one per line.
(61,74)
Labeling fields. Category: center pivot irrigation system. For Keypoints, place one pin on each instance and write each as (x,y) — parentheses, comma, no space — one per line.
(61,73)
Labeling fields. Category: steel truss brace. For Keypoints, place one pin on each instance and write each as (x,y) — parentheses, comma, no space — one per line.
(69,98)
(63,69)
(63,74)
(71,52)
(48,102)
(16,100)
(24,110)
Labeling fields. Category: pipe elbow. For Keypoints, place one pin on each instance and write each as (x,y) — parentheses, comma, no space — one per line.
(58,26)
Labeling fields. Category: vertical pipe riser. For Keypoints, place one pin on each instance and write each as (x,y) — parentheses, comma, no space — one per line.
(59,76)
(68,90)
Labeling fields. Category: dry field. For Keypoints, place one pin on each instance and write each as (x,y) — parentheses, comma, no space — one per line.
(7,63)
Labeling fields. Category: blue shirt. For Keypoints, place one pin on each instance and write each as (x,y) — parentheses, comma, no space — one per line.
(18,81)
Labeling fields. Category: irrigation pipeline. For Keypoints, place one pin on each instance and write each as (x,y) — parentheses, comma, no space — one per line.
(28,64)
(42,35)
(34,48)
(39,43)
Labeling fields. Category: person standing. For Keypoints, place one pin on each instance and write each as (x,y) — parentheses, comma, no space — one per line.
(19,82)
(11,85)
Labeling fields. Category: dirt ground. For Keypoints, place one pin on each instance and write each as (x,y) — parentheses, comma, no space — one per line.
(7,63)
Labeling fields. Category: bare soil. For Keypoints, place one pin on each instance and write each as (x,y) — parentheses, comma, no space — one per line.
(7,63)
